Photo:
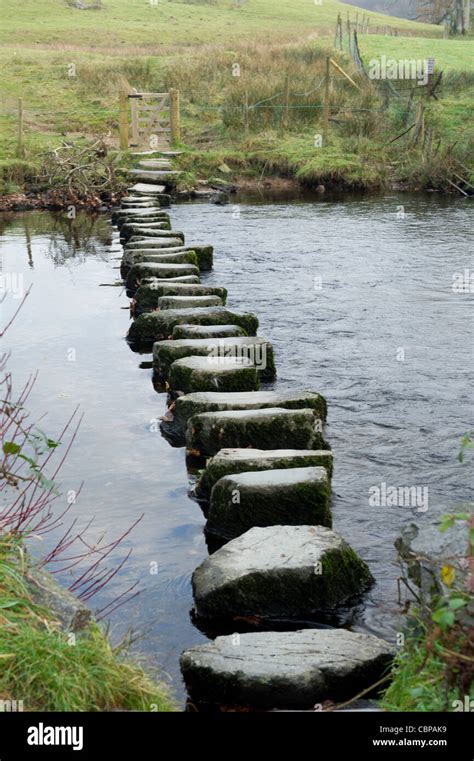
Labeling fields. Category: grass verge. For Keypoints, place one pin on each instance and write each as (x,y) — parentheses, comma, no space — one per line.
(41,666)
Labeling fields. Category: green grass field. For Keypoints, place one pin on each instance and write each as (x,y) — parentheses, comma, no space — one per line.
(192,45)
(449,55)
(123,24)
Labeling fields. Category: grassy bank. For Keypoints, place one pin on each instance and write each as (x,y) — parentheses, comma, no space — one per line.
(47,670)
(69,65)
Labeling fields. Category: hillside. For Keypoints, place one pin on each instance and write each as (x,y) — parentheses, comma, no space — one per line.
(69,65)
(120,25)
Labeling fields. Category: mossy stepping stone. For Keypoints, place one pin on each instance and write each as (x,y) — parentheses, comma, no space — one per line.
(257,350)
(147,296)
(156,326)
(194,404)
(286,670)
(158,269)
(288,496)
(280,573)
(230,461)
(189,302)
(261,428)
(207,331)
(204,373)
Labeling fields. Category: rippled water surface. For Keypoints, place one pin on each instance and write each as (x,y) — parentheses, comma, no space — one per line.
(359,305)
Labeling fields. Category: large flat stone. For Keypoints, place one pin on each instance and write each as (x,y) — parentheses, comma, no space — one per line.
(189,302)
(258,350)
(146,297)
(207,331)
(147,188)
(230,461)
(130,258)
(203,253)
(140,242)
(289,496)
(158,269)
(130,229)
(202,374)
(194,404)
(262,428)
(156,326)
(280,573)
(285,669)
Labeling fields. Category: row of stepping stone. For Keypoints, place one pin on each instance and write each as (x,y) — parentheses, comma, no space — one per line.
(264,479)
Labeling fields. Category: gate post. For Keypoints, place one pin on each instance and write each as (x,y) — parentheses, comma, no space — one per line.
(123,120)
(175,117)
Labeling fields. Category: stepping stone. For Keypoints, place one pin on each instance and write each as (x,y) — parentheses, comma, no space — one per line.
(204,254)
(141,231)
(158,269)
(156,326)
(138,202)
(194,404)
(166,176)
(280,573)
(161,237)
(130,230)
(139,242)
(138,198)
(207,331)
(262,429)
(258,350)
(155,164)
(202,374)
(147,188)
(137,256)
(189,302)
(294,670)
(286,497)
(124,216)
(231,461)
(147,296)
(184,279)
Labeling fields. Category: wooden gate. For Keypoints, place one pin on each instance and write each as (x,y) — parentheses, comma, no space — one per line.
(155,123)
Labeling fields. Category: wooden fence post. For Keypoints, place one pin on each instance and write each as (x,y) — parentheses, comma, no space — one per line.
(326,103)
(123,120)
(246,113)
(134,113)
(286,101)
(20,147)
(175,117)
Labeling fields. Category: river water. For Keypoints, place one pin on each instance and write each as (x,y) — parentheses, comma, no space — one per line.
(356,295)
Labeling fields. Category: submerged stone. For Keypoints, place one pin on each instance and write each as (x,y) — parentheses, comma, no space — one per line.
(147,296)
(194,404)
(207,331)
(290,496)
(189,302)
(258,350)
(230,461)
(201,374)
(280,573)
(156,326)
(261,428)
(293,670)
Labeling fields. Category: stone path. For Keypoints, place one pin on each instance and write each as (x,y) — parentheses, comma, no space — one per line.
(266,489)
